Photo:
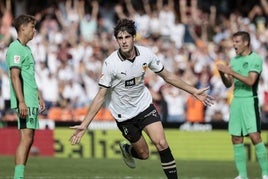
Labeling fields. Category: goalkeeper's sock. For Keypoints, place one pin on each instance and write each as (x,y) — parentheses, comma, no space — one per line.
(240,159)
(19,172)
(168,163)
(262,157)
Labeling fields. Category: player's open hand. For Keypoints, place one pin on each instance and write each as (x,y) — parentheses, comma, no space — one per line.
(78,134)
(23,110)
(224,69)
(201,95)
(42,106)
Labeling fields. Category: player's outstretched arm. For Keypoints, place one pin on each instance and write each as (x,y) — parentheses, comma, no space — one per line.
(92,111)
(200,94)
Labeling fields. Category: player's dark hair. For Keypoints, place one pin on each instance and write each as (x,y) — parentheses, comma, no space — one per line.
(125,25)
(23,19)
(245,36)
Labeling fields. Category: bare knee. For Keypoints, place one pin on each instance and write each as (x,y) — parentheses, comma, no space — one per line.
(160,144)
(255,138)
(143,154)
(237,140)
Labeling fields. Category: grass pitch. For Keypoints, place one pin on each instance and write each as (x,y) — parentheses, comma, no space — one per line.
(65,168)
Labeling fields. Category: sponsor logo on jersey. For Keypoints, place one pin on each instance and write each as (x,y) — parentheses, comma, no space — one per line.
(130,82)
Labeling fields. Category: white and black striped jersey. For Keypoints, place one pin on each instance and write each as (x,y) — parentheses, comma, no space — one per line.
(128,94)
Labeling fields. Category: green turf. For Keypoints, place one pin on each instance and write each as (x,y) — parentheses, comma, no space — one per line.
(64,168)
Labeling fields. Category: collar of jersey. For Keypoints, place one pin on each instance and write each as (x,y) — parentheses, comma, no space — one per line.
(122,57)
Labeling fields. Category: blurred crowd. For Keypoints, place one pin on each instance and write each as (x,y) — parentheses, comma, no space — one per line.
(189,36)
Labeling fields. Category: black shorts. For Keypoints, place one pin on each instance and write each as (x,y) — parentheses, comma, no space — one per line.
(132,129)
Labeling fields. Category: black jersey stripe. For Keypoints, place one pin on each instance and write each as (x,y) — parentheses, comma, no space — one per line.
(257,114)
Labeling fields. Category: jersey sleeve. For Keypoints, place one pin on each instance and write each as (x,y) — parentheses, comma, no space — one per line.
(155,64)
(256,65)
(106,76)
(14,58)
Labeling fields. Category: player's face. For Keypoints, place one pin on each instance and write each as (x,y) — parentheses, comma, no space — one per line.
(29,30)
(125,41)
(239,45)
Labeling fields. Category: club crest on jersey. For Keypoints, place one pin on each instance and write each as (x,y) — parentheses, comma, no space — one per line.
(245,65)
(16,59)
(144,66)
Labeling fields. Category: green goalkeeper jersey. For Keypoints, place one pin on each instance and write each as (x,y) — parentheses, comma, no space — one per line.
(20,56)
(243,65)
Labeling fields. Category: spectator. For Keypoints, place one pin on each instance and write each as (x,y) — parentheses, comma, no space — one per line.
(175,102)
(88,22)
(195,111)
(51,94)
(263,98)
(189,23)
(74,93)
(218,112)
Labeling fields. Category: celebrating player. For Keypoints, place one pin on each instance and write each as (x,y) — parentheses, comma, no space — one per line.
(131,102)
